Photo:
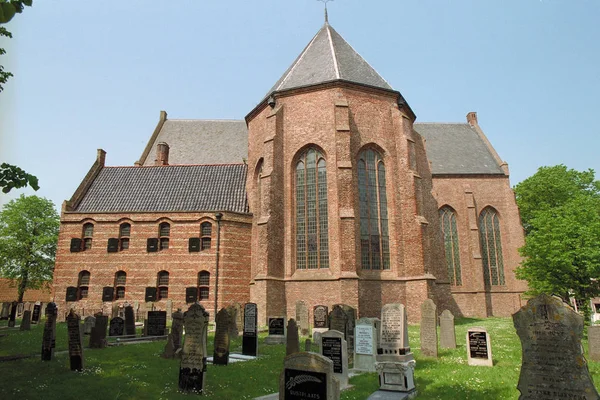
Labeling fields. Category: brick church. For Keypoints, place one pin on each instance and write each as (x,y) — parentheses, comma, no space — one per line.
(327,192)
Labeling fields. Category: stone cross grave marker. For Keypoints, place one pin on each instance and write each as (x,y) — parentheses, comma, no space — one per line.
(479,347)
(365,344)
(98,335)
(49,336)
(308,376)
(26,321)
(35,316)
(117,327)
(129,321)
(13,314)
(75,344)
(447,331)
(177,329)
(250,338)
(429,329)
(157,323)
(221,344)
(334,347)
(88,324)
(193,357)
(276,330)
(553,365)
(594,342)
(292,338)
(302,317)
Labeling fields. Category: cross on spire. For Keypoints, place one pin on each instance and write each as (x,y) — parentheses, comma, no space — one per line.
(325,2)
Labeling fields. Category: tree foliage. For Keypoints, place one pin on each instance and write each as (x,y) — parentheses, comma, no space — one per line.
(13,177)
(8,9)
(560,210)
(28,235)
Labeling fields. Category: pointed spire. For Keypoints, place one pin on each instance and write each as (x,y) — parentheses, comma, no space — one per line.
(326,19)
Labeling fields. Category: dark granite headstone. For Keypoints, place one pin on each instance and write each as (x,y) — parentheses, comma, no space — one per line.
(13,314)
(193,357)
(26,321)
(35,316)
(98,335)
(332,349)
(349,336)
(117,327)
(276,326)
(338,320)
(320,317)
(129,321)
(250,338)
(157,323)
(479,345)
(49,336)
(301,385)
(292,339)
(75,345)
(221,345)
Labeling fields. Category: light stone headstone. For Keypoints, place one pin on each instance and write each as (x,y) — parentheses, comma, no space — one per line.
(429,329)
(594,342)
(365,344)
(169,350)
(334,347)
(308,376)
(302,317)
(292,338)
(193,356)
(447,331)
(553,364)
(76,359)
(276,327)
(26,321)
(88,324)
(49,336)
(239,318)
(221,343)
(479,347)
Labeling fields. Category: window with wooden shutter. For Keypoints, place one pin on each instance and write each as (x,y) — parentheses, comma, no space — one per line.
(150,294)
(152,245)
(194,245)
(76,245)
(191,294)
(107,293)
(113,245)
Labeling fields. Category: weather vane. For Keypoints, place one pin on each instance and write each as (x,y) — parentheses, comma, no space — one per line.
(325,2)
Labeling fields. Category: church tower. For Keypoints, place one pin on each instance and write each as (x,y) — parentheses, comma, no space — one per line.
(340,190)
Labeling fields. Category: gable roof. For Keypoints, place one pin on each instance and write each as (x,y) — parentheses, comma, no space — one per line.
(170,188)
(457,149)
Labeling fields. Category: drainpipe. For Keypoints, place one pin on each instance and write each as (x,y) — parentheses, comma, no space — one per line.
(218,217)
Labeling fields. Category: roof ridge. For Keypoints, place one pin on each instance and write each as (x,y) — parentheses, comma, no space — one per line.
(333,53)
(173,165)
(442,123)
(206,120)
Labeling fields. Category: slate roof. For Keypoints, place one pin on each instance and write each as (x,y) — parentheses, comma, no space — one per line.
(328,57)
(457,149)
(168,188)
(196,141)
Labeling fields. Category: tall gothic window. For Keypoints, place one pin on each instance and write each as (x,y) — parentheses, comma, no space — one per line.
(374,234)
(312,246)
(491,247)
(450,232)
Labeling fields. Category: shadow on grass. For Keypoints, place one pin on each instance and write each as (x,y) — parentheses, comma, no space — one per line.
(468,321)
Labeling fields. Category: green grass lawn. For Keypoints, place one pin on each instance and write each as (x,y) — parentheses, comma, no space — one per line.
(138,371)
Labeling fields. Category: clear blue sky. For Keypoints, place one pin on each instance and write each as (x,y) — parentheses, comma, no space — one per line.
(95,74)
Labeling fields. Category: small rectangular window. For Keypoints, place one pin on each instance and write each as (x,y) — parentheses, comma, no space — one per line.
(124,243)
(120,293)
(87,243)
(164,243)
(163,293)
(205,243)
(83,292)
(203,293)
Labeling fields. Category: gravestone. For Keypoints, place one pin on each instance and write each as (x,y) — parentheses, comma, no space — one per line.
(88,324)
(351,313)
(193,356)
(447,332)
(117,327)
(157,323)
(302,317)
(594,342)
(75,345)
(292,339)
(49,336)
(35,316)
(338,320)
(308,345)
(429,329)
(250,338)
(365,344)
(98,335)
(169,350)
(239,319)
(129,321)
(395,362)
(334,347)
(221,344)
(320,321)
(308,376)
(13,314)
(233,313)
(177,329)
(20,308)
(5,311)
(136,310)
(276,330)
(26,321)
(479,347)
(553,365)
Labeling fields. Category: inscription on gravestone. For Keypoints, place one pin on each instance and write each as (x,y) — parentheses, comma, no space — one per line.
(478,345)
(276,326)
(75,345)
(250,338)
(193,357)
(302,385)
(320,315)
(332,349)
(157,323)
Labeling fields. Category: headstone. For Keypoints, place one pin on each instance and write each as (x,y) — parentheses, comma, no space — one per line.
(276,330)
(177,329)
(49,336)
(594,342)
(88,324)
(116,327)
(429,329)
(250,338)
(351,313)
(20,309)
(157,323)
(320,321)
(395,362)
(292,339)
(365,344)
(338,320)
(5,311)
(334,347)
(129,321)
(136,308)
(193,356)
(26,321)
(98,335)
(479,347)
(169,350)
(302,317)
(239,318)
(447,332)
(308,376)
(35,316)
(553,365)
(75,344)
(308,345)
(13,314)
(221,345)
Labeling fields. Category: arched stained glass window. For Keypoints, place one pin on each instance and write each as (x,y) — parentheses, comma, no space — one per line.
(491,247)
(372,198)
(450,232)
(312,246)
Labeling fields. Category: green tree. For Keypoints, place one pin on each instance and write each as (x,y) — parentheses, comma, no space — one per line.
(560,211)
(28,236)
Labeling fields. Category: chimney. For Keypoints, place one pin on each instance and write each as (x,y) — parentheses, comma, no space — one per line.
(162,154)
(101,157)
(472,118)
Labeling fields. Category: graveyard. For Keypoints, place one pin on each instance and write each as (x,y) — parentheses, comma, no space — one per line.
(139,371)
